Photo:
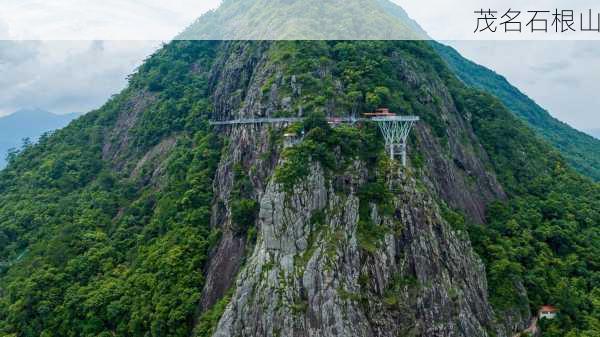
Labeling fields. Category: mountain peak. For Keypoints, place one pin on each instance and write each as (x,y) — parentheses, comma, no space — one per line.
(35,114)
(305,20)
(31,112)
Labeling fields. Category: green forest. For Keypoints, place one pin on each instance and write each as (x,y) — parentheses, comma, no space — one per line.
(546,235)
(101,254)
(88,250)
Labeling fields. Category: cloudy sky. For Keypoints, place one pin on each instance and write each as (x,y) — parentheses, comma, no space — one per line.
(71,55)
(63,76)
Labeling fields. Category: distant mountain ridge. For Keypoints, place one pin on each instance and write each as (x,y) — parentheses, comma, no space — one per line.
(305,20)
(581,150)
(28,123)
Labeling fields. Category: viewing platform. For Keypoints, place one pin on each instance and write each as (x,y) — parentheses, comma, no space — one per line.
(333,120)
(395,129)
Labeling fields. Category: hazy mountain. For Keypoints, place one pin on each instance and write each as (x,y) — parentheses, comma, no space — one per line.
(594,132)
(28,123)
(304,20)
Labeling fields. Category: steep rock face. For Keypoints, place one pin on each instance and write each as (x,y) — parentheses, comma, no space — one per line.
(248,146)
(144,175)
(309,275)
(457,167)
(236,79)
(457,170)
(438,286)
(118,138)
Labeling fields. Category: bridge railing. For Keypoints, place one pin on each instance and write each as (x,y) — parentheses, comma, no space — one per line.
(395,129)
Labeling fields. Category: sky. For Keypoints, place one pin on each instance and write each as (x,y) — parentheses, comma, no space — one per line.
(66,76)
(72,55)
(561,76)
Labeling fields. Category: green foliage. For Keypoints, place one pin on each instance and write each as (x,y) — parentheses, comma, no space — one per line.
(377,98)
(395,290)
(85,251)
(333,148)
(181,95)
(88,252)
(580,150)
(320,145)
(243,209)
(374,192)
(210,318)
(135,274)
(307,20)
(243,214)
(455,219)
(548,247)
(546,236)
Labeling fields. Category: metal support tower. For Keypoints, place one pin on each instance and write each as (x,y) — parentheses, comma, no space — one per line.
(395,130)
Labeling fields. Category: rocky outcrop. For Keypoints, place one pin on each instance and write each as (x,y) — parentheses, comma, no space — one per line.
(310,276)
(151,166)
(456,168)
(249,147)
(117,143)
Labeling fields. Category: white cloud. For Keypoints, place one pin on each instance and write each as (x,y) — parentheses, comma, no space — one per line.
(456,20)
(66,76)
(162,20)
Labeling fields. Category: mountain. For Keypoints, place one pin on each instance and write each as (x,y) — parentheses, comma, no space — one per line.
(364,19)
(594,133)
(305,20)
(28,123)
(581,150)
(142,219)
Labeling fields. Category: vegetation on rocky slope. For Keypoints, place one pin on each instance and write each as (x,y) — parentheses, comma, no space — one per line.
(547,235)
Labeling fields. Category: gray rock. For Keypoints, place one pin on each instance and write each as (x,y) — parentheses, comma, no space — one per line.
(329,286)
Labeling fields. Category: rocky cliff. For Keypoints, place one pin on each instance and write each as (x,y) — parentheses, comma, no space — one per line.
(307,274)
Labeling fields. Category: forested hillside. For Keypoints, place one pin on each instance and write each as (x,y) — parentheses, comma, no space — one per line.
(582,151)
(547,235)
(112,226)
(92,245)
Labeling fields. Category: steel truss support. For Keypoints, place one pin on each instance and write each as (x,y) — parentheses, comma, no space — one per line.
(395,131)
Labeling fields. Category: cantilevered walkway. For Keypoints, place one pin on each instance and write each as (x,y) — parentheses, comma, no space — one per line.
(395,129)
(286,120)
